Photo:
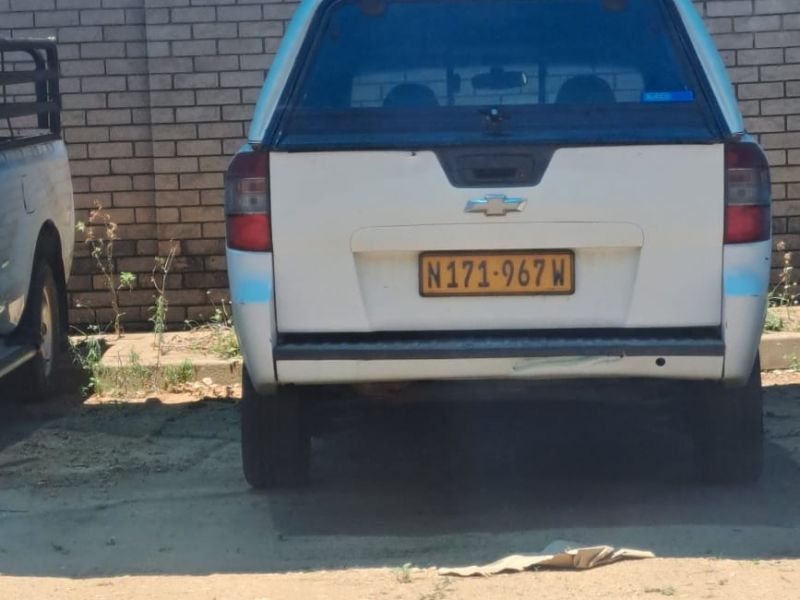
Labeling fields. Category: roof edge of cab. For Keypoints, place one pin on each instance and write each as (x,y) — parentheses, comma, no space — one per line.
(280,70)
(710,60)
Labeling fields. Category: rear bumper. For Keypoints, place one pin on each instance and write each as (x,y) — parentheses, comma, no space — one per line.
(721,353)
(508,344)
(668,354)
(562,367)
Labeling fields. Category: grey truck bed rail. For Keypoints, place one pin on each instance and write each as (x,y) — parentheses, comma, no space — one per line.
(44,103)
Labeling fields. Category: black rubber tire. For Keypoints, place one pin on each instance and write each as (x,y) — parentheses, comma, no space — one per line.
(276,442)
(42,377)
(729,432)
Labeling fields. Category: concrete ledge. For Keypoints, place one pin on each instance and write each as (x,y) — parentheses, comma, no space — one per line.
(176,348)
(779,350)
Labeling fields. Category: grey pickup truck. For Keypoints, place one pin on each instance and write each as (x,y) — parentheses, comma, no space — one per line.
(36,216)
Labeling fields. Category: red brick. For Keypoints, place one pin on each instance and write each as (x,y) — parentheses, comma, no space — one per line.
(166,246)
(146,215)
(204,246)
(79,282)
(133,232)
(201,214)
(162,215)
(134,199)
(179,231)
(184,297)
(147,247)
(212,197)
(166,182)
(211,230)
(196,181)
(134,264)
(216,263)
(144,183)
(210,279)
(177,198)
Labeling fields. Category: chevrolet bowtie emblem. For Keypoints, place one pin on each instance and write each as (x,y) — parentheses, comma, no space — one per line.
(495,205)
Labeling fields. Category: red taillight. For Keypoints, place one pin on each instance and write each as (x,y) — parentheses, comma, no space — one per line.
(747,194)
(249,232)
(746,223)
(247,203)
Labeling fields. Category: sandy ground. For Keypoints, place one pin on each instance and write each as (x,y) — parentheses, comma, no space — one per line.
(679,578)
(146,500)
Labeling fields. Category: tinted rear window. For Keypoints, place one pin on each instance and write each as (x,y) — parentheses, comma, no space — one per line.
(425,72)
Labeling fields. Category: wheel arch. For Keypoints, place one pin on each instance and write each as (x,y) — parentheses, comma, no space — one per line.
(48,247)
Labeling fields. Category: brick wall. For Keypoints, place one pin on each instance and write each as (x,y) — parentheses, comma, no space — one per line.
(157,95)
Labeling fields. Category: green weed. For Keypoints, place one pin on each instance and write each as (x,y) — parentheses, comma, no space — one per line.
(160,306)
(783,294)
(86,352)
(222,341)
(129,378)
(772,322)
(403,573)
(173,376)
(100,233)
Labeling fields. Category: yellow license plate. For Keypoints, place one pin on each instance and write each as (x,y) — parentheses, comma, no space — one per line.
(496,273)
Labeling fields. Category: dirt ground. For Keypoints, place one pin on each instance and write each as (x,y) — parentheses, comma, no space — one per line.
(146,500)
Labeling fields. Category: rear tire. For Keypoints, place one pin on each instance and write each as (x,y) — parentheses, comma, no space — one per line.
(42,327)
(729,446)
(276,443)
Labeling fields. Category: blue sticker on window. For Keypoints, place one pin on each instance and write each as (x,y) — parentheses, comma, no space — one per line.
(681,96)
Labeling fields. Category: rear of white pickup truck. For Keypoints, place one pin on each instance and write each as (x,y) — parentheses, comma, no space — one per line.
(36,218)
(513,189)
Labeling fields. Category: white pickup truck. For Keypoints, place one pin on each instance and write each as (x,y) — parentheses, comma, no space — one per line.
(498,189)
(36,219)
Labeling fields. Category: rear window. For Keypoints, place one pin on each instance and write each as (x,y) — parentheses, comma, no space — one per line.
(437,72)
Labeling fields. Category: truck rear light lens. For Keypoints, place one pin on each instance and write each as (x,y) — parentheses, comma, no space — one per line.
(247,203)
(747,194)
(747,223)
(249,232)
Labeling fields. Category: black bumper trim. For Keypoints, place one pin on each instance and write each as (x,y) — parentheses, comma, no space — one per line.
(497,344)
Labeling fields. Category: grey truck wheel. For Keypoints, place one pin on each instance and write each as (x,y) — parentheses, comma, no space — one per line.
(42,327)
